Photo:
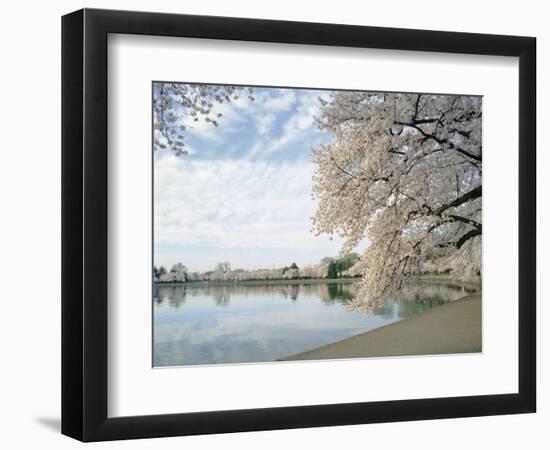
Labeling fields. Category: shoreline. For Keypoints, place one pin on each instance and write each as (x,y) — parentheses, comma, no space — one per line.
(346,280)
(451,328)
(439,278)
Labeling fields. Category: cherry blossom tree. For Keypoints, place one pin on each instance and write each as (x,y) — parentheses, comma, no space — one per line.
(306,272)
(177,105)
(404,171)
(180,272)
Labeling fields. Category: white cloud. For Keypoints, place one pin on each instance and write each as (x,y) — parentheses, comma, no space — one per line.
(264,123)
(300,123)
(251,209)
(262,108)
(281,102)
(234,204)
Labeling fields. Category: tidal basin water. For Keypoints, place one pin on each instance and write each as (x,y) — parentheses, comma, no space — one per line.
(198,324)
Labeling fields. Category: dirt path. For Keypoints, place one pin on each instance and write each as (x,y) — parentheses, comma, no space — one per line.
(451,328)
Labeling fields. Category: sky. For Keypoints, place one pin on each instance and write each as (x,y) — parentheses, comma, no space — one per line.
(243,192)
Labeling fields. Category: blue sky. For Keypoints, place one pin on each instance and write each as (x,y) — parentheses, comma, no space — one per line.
(243,193)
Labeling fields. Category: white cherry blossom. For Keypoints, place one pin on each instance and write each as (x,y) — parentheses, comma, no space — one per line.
(405,171)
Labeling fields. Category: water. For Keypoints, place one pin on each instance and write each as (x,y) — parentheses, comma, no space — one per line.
(198,324)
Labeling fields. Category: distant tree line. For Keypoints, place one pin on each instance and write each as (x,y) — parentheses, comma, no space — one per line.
(329,267)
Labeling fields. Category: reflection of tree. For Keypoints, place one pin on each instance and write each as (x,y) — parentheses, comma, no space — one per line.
(222,295)
(443,291)
(385,310)
(335,293)
(415,306)
(419,297)
(174,295)
(291,291)
(413,299)
(332,288)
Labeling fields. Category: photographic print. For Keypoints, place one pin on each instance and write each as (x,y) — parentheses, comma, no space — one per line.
(295,224)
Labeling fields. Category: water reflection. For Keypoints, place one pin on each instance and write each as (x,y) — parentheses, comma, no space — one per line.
(209,324)
(176,296)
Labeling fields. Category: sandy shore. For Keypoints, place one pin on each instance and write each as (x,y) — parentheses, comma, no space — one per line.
(451,328)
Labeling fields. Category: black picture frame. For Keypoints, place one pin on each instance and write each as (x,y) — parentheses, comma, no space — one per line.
(84,224)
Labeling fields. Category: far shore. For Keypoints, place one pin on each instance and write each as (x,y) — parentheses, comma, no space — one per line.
(432,278)
(451,328)
(263,282)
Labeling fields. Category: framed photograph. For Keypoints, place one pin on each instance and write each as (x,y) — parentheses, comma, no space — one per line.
(273,224)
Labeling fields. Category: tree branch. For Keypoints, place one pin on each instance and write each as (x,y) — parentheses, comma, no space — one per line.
(463,239)
(471,222)
(439,140)
(468,196)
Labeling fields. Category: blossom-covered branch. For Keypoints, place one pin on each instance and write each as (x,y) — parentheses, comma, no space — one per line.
(403,170)
(176,105)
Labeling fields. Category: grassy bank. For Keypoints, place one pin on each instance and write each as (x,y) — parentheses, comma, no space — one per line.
(432,278)
(263,282)
(451,328)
